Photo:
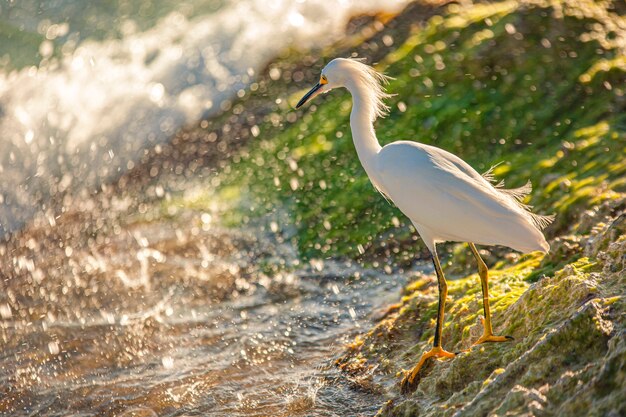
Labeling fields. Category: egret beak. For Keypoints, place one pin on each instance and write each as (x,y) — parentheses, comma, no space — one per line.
(312,93)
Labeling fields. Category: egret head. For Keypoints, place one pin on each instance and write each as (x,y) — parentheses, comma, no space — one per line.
(354,75)
(322,86)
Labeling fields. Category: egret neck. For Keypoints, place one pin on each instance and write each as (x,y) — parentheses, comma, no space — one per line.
(361,122)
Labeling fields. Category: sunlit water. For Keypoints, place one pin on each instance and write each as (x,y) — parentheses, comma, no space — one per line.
(112,314)
(86,87)
(183,318)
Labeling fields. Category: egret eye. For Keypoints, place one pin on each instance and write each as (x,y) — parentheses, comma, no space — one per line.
(323,80)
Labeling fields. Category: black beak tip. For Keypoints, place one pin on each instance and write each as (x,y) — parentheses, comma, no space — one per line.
(303,100)
(308,95)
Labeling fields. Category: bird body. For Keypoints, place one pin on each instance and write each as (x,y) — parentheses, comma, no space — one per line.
(442,195)
(447,200)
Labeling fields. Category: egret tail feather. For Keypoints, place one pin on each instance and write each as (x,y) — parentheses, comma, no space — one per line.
(518,195)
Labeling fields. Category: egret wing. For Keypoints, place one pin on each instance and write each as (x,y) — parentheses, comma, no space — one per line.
(441,193)
(429,175)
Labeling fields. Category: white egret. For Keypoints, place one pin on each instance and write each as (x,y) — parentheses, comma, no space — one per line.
(444,197)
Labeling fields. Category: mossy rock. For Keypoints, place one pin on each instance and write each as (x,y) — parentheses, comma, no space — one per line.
(568,355)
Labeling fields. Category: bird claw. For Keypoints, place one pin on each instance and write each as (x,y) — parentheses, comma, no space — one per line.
(410,381)
(487,338)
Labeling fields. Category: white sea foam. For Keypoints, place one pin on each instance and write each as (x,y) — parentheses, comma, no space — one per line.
(81,121)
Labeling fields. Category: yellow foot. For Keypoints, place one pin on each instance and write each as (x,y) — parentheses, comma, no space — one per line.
(489,338)
(410,380)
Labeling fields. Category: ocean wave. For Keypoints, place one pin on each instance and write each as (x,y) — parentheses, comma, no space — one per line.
(77,121)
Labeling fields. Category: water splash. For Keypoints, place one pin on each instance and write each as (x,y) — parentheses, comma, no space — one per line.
(251,332)
(80,119)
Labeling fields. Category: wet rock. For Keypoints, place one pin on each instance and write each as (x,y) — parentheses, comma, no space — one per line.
(569,353)
(523,402)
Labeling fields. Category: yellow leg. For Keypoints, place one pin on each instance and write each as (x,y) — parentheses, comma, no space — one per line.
(483,272)
(408,382)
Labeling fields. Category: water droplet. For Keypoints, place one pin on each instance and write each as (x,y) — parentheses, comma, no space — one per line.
(5,311)
(53,347)
(168,362)
(275,73)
